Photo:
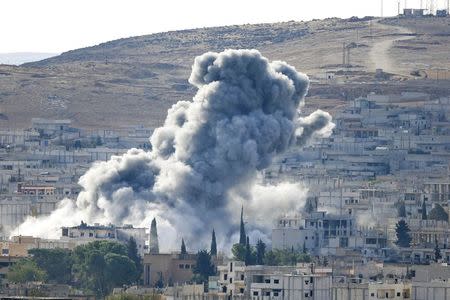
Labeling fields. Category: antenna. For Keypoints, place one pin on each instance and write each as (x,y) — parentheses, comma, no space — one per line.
(381,8)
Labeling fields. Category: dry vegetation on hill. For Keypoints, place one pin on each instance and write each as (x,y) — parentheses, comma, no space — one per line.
(135,80)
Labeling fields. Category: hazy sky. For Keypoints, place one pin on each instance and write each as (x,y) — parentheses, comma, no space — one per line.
(61,25)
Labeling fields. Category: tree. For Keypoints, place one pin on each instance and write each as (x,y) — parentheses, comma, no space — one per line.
(135,257)
(119,270)
(238,251)
(437,252)
(95,266)
(248,253)
(401,210)
(438,213)
(25,270)
(402,232)
(309,205)
(57,263)
(160,282)
(183,248)
(424,210)
(285,257)
(243,235)
(203,267)
(325,261)
(270,259)
(213,251)
(260,252)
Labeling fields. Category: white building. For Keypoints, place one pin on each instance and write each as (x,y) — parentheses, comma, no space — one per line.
(83,234)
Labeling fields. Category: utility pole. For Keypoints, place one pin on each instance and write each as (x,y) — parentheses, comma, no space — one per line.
(382,8)
(343,55)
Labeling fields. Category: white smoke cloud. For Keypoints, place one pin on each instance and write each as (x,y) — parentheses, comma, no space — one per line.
(204,158)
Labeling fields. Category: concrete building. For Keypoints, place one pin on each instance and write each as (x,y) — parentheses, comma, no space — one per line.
(168,268)
(83,234)
(297,285)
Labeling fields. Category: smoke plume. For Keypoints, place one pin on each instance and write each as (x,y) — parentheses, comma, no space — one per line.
(208,151)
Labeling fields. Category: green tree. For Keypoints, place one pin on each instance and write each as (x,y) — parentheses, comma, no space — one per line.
(93,266)
(325,261)
(304,250)
(160,282)
(238,251)
(285,257)
(249,253)
(119,270)
(203,267)
(213,251)
(135,257)
(183,247)
(270,259)
(438,213)
(25,270)
(309,205)
(242,234)
(401,210)
(402,232)
(57,263)
(424,210)
(437,252)
(260,252)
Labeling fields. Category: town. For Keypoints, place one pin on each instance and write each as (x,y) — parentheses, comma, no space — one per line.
(375,219)
(373,223)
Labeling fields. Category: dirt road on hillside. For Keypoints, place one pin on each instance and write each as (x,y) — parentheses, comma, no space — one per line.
(379,55)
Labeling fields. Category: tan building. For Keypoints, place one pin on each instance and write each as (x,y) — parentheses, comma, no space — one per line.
(169,268)
(389,290)
(18,247)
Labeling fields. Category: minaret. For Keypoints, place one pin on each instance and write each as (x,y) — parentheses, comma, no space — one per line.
(153,245)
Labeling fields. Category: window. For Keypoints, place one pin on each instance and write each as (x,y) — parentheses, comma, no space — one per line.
(231,280)
(181,266)
(266,280)
(276,281)
(398,294)
(306,295)
(187,266)
(225,276)
(91,234)
(82,234)
(267,293)
(5,251)
(255,293)
(242,276)
(275,294)
(241,290)
(372,294)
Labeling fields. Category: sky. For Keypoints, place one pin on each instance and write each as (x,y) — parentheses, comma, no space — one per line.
(56,26)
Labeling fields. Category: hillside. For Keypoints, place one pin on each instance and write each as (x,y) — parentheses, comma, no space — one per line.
(135,80)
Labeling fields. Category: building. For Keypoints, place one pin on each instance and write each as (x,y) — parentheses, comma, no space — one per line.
(389,290)
(163,269)
(298,285)
(272,282)
(313,231)
(83,234)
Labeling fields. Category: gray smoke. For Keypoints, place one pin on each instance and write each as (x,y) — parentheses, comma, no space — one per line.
(208,149)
